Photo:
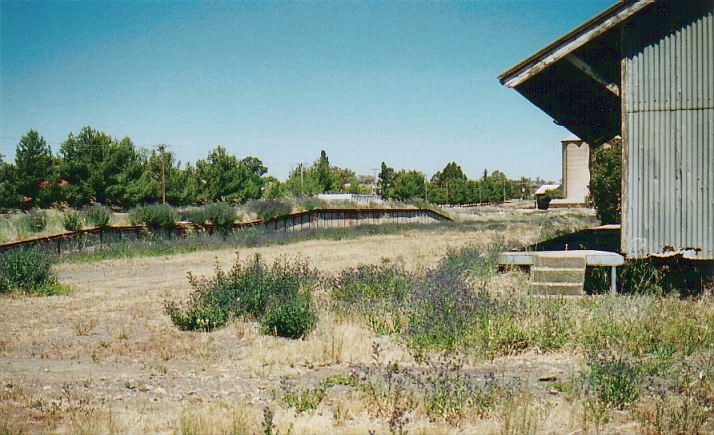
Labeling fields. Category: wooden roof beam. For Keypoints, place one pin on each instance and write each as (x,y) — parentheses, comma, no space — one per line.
(590,72)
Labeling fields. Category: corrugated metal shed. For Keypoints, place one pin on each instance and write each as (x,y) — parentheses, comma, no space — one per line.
(668,126)
(645,68)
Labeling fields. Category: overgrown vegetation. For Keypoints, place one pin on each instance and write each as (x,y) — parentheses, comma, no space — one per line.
(154,216)
(72,221)
(614,382)
(451,307)
(606,182)
(33,221)
(98,215)
(267,209)
(278,295)
(219,214)
(641,276)
(28,270)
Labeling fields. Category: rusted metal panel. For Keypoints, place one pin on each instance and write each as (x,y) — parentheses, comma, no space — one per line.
(668,132)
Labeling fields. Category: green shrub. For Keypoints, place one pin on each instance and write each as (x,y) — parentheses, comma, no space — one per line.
(72,221)
(606,182)
(269,208)
(370,284)
(309,203)
(98,215)
(195,216)
(247,291)
(290,316)
(26,270)
(310,398)
(202,317)
(220,214)
(472,261)
(34,221)
(643,276)
(377,293)
(301,399)
(614,382)
(154,216)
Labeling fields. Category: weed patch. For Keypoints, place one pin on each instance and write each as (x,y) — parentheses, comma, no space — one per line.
(98,215)
(279,295)
(33,221)
(28,270)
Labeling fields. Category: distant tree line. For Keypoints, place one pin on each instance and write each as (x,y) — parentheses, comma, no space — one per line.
(452,186)
(93,167)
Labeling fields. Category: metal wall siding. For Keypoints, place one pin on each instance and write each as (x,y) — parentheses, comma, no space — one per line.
(669,111)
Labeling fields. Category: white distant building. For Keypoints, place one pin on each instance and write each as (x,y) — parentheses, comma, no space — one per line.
(353,197)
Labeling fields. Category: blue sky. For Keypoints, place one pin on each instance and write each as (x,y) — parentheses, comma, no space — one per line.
(410,83)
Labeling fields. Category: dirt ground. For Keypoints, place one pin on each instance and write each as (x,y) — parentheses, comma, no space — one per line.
(106,359)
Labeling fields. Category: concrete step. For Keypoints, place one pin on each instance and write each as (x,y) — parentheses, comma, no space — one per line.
(560,261)
(557,288)
(558,274)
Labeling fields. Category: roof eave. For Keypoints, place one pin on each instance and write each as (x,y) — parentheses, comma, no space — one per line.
(603,22)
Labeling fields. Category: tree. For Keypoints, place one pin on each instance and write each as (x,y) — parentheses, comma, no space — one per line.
(303,181)
(225,178)
(9,197)
(386,181)
(182,185)
(345,180)
(252,180)
(218,175)
(606,182)
(324,174)
(318,178)
(34,164)
(122,167)
(274,189)
(452,181)
(408,185)
(83,166)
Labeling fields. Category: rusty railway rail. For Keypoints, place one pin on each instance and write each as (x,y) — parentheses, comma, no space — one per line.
(313,219)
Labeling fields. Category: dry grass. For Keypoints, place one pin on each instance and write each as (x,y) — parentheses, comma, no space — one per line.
(11,231)
(106,359)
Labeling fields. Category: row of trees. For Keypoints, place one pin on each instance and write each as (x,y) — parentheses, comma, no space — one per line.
(92,167)
(452,186)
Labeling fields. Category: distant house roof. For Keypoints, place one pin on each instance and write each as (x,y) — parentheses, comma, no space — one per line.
(545,188)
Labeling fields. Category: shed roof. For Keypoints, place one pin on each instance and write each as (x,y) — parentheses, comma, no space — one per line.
(576,38)
(575,79)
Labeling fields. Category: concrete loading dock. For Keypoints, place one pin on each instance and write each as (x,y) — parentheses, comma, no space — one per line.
(563,272)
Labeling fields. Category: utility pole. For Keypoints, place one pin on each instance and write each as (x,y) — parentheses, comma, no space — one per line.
(302,182)
(505,180)
(426,190)
(162,149)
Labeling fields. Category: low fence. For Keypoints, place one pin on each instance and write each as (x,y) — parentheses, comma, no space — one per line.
(314,219)
(340,218)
